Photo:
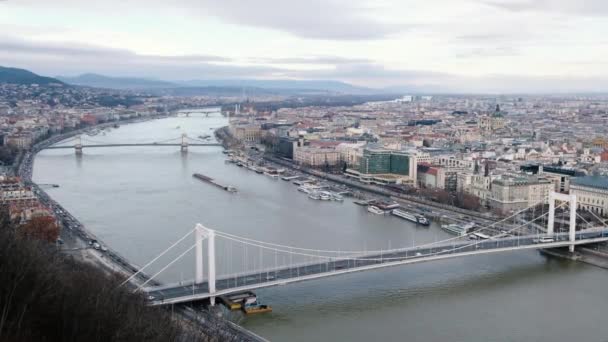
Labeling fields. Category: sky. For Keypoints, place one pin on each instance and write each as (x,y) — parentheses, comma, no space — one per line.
(485,46)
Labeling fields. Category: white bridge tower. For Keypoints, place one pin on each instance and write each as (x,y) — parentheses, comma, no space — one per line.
(184,144)
(78,146)
(571,199)
(203,233)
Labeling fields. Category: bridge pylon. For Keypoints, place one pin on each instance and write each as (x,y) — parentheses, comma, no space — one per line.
(78,146)
(184,144)
(204,233)
(571,199)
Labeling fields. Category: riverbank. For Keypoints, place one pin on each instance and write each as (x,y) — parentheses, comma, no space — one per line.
(432,209)
(435,210)
(585,255)
(78,238)
(582,254)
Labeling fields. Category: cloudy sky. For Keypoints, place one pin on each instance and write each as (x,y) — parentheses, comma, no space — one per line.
(445,45)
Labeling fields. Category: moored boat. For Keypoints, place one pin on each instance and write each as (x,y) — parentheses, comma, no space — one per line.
(337,197)
(324,196)
(416,218)
(375,210)
(256,308)
(314,195)
(385,205)
(458,229)
(305,189)
(271,175)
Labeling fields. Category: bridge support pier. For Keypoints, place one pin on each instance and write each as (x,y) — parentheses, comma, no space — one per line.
(78,146)
(211,260)
(184,144)
(202,233)
(572,222)
(199,236)
(571,199)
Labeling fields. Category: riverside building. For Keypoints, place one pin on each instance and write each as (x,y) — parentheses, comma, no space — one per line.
(381,166)
(591,193)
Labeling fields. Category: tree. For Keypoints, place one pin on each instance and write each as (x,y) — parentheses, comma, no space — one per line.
(41,228)
(442,196)
(467,201)
(7,154)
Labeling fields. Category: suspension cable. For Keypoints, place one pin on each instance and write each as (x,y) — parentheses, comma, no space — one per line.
(157,257)
(602,222)
(164,268)
(359,258)
(356,252)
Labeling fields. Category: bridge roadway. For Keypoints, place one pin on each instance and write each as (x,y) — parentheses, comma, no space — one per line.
(188,292)
(126,145)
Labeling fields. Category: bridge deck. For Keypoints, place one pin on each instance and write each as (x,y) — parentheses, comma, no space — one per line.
(127,145)
(180,293)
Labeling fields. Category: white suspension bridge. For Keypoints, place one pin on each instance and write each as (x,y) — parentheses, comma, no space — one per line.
(182,142)
(269,264)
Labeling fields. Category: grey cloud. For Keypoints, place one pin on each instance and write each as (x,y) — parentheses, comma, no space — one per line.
(54,58)
(312,19)
(372,74)
(501,51)
(311,60)
(535,84)
(484,38)
(316,19)
(15,46)
(440,82)
(81,50)
(569,7)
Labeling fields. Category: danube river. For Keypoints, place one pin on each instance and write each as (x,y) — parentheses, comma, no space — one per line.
(139,200)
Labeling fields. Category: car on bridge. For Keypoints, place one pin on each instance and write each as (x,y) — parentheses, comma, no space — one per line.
(544,239)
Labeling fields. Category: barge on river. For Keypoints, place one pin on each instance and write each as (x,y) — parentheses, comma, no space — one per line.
(210,180)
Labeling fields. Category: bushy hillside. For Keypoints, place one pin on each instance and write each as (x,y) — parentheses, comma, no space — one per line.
(21,76)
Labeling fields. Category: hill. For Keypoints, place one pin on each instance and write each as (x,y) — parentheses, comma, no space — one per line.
(49,296)
(243,85)
(101,81)
(22,76)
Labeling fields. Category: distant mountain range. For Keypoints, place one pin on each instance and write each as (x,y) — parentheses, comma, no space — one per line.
(190,87)
(331,86)
(293,86)
(100,81)
(22,76)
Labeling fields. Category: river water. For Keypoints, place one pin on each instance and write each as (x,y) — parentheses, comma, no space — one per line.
(139,200)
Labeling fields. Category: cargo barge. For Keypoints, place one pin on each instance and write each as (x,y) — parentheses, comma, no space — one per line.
(212,182)
(238,300)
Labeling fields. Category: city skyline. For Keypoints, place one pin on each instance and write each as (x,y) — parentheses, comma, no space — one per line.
(435,46)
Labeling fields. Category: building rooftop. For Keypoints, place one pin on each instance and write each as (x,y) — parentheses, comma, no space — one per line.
(519,180)
(600,182)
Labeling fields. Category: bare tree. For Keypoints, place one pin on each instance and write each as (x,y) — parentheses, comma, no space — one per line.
(42,228)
